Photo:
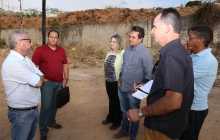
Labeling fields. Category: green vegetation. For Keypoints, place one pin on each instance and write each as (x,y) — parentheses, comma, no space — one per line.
(208,13)
(109,7)
(54,23)
(100,55)
(193,3)
(2,42)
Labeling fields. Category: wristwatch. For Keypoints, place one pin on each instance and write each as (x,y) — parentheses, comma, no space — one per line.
(66,79)
(140,113)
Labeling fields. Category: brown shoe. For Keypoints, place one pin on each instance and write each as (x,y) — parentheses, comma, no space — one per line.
(43,136)
(56,126)
(120,135)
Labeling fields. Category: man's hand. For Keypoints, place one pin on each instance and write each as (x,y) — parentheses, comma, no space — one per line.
(132,115)
(119,81)
(134,89)
(45,80)
(64,83)
(188,48)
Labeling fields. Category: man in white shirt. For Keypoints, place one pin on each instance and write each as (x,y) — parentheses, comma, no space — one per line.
(21,80)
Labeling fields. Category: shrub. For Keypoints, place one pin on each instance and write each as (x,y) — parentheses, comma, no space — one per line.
(2,42)
(208,14)
(193,3)
(54,23)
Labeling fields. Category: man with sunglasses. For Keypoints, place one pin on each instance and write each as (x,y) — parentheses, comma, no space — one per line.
(205,67)
(21,80)
(52,61)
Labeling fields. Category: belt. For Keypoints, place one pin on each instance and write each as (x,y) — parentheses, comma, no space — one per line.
(28,108)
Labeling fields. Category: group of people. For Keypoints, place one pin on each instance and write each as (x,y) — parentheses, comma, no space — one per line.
(28,83)
(182,78)
(176,105)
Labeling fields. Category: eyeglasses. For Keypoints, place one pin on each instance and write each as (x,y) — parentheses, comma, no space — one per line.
(190,38)
(53,37)
(26,39)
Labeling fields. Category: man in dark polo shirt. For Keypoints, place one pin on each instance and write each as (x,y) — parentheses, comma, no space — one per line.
(52,61)
(172,92)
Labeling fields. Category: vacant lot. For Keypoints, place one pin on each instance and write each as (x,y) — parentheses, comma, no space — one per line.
(82,116)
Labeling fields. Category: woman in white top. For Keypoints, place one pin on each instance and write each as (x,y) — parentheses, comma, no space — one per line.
(112,66)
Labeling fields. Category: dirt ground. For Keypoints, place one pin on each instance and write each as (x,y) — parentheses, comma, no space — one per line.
(82,116)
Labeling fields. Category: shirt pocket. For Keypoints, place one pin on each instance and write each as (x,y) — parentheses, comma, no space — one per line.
(135,61)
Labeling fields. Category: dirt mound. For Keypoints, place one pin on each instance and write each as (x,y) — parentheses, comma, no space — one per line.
(109,15)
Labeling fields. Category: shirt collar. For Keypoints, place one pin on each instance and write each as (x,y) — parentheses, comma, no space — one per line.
(202,52)
(138,46)
(51,49)
(169,46)
(16,54)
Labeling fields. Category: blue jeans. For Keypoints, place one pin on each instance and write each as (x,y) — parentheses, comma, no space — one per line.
(48,109)
(127,101)
(23,123)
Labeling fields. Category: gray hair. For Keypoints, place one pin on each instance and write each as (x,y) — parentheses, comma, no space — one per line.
(16,35)
(171,16)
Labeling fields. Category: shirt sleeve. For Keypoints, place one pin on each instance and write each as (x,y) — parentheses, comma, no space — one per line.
(200,68)
(20,73)
(148,66)
(65,58)
(173,74)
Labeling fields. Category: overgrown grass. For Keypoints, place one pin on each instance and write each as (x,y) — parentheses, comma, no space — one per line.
(208,13)
(2,42)
(54,23)
(88,55)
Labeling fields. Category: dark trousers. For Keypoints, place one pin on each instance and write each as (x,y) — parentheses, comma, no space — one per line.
(196,119)
(115,113)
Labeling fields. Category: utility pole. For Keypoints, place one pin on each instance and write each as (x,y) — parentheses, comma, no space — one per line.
(43,22)
(8,5)
(21,14)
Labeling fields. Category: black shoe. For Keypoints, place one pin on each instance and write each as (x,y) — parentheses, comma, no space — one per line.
(43,136)
(114,126)
(106,122)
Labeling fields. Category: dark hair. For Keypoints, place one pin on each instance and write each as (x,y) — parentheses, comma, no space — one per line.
(171,16)
(203,31)
(140,31)
(53,31)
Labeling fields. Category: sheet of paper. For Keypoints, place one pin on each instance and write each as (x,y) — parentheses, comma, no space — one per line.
(140,95)
(146,88)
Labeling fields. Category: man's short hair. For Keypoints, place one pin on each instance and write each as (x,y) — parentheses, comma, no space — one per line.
(203,31)
(171,16)
(140,31)
(16,35)
(53,31)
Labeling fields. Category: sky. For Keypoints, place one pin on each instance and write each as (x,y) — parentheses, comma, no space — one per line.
(78,5)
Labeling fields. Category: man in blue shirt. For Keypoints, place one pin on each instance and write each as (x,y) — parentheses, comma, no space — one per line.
(205,68)
(137,67)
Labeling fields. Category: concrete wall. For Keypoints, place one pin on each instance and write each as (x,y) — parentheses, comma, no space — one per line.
(98,35)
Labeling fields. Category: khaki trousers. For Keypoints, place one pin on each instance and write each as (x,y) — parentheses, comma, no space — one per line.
(155,135)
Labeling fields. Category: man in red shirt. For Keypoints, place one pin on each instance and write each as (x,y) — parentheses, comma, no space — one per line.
(52,61)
